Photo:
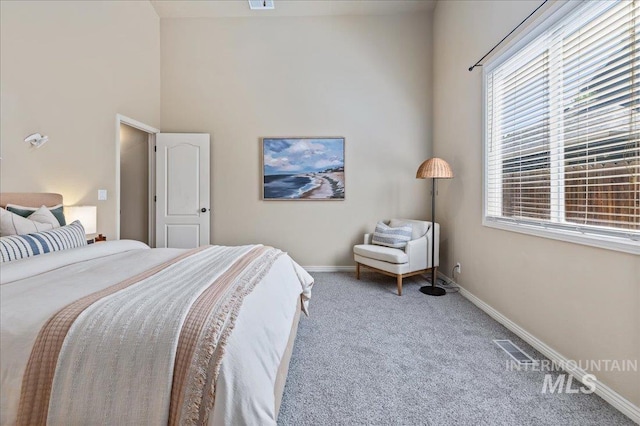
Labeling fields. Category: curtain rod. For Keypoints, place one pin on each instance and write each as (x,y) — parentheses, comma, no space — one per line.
(478,64)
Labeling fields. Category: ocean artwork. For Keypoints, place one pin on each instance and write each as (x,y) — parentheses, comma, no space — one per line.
(303,168)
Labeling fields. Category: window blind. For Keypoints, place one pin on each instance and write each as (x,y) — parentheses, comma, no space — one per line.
(562,126)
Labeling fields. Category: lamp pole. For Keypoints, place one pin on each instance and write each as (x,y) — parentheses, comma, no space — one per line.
(432,290)
(434,168)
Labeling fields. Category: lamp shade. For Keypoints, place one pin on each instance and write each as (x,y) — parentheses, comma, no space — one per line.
(434,168)
(87,215)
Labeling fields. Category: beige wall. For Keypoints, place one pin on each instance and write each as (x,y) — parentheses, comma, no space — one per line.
(582,301)
(134,184)
(66,70)
(365,78)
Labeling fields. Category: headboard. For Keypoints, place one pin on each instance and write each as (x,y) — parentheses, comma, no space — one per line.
(30,199)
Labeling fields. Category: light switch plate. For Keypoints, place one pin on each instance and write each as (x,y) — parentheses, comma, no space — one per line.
(102,194)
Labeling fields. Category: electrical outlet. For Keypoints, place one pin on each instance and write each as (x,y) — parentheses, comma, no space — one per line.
(458,267)
(102,194)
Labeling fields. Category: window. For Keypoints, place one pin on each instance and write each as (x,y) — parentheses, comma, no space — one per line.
(562,129)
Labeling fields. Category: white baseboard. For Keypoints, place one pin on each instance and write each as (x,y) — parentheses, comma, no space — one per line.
(330,268)
(622,404)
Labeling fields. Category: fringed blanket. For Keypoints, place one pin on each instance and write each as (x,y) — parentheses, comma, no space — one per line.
(147,350)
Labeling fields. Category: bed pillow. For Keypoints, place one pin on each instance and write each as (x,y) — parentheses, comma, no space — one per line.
(17,247)
(44,215)
(384,235)
(58,211)
(12,224)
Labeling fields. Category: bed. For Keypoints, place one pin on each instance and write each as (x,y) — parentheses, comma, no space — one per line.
(118,333)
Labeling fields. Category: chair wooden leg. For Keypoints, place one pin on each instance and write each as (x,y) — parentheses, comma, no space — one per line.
(357,270)
(399,279)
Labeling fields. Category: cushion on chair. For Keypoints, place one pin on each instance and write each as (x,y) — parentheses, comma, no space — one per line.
(418,227)
(385,254)
(385,235)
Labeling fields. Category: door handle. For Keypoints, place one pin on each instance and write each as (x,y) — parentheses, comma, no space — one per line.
(203,210)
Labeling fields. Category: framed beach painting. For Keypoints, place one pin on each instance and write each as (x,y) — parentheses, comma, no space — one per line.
(303,168)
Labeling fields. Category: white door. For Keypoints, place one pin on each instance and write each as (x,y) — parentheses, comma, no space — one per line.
(182,190)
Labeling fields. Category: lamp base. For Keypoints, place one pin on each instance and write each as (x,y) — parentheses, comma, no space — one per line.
(433,290)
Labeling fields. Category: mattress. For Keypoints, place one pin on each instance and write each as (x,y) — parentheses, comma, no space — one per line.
(253,369)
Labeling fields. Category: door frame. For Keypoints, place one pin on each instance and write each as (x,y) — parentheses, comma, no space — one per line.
(151,141)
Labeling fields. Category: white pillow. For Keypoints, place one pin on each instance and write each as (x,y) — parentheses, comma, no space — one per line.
(58,211)
(418,228)
(44,215)
(13,224)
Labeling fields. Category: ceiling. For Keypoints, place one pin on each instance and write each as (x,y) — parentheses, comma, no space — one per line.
(240,8)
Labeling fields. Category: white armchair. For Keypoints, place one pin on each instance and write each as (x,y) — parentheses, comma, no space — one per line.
(414,259)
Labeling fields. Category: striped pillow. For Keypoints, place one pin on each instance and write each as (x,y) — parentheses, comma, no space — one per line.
(17,247)
(384,235)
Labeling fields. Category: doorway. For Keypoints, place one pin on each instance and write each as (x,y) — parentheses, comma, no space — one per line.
(135,180)
(134,184)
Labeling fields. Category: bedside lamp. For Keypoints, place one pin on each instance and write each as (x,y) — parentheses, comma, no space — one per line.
(87,215)
(434,168)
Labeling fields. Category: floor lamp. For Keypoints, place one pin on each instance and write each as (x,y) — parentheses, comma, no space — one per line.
(434,168)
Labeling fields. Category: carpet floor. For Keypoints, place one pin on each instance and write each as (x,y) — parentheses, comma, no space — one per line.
(367,356)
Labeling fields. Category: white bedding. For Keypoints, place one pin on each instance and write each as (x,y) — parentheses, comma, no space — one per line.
(32,290)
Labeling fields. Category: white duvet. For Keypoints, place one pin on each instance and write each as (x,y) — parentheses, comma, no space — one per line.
(32,290)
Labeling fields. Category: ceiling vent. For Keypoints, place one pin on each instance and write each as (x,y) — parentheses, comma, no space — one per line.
(261,4)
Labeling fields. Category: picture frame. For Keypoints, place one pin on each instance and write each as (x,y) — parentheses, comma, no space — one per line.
(303,168)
